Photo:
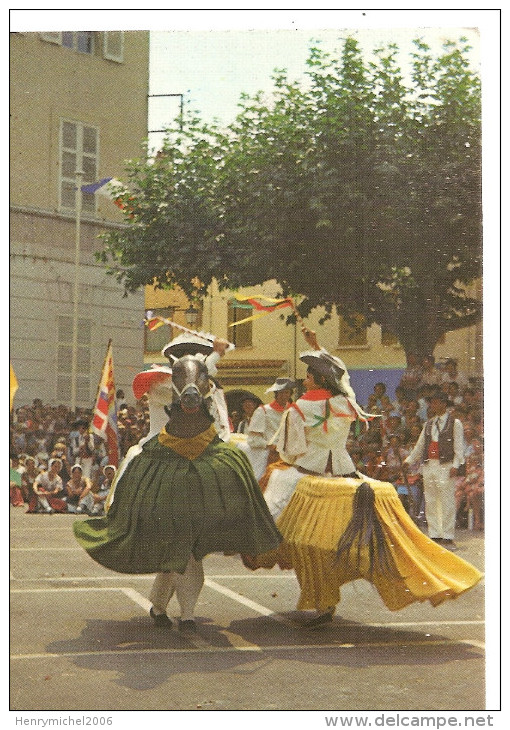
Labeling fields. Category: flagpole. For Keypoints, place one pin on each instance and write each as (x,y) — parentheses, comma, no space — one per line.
(76,290)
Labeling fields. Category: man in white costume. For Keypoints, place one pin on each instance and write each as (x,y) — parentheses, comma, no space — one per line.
(313,432)
(264,424)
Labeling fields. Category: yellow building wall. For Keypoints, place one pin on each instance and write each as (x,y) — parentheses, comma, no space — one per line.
(50,82)
(276,346)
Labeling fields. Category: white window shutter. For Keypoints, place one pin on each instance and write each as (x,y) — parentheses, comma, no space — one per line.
(113,45)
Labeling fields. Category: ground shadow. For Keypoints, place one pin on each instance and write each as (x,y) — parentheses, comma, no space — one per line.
(124,647)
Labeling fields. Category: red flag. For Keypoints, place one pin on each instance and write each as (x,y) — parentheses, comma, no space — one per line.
(104,420)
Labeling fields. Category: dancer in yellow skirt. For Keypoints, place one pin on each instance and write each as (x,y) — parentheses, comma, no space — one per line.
(337,524)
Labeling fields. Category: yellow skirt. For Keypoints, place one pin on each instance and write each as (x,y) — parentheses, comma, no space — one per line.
(315,519)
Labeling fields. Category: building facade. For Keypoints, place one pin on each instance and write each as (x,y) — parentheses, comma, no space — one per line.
(267,347)
(78,103)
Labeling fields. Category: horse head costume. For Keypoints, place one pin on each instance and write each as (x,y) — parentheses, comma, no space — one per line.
(186,493)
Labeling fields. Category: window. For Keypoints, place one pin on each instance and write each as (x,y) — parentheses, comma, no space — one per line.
(155,340)
(242,335)
(78,150)
(65,358)
(81,41)
(113,45)
(352,335)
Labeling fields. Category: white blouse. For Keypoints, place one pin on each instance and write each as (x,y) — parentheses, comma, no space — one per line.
(312,430)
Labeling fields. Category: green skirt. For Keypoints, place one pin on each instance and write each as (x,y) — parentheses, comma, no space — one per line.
(167,508)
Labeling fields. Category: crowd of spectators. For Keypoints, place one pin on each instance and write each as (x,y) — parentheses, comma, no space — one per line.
(53,440)
(41,433)
(379,450)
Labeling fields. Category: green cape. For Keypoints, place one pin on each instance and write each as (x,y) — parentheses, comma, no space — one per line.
(167,508)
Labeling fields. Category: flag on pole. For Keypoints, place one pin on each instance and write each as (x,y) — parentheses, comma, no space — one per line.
(102,187)
(110,188)
(104,420)
(263,305)
(155,322)
(13,385)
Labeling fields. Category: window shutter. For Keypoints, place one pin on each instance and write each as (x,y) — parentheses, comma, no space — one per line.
(113,45)
(52,37)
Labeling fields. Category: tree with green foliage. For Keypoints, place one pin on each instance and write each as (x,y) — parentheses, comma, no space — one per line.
(357,191)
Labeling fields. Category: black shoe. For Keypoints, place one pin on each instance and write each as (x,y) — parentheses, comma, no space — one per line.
(321,620)
(450,545)
(188,626)
(160,619)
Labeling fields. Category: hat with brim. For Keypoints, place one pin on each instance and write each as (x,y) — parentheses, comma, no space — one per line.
(144,380)
(324,364)
(186,344)
(282,384)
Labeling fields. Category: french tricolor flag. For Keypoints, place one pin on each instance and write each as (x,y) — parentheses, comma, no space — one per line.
(108,186)
(113,189)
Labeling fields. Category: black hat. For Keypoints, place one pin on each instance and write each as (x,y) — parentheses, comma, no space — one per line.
(325,365)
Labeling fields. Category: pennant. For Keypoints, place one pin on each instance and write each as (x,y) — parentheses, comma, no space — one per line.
(13,386)
(263,305)
(154,323)
(104,420)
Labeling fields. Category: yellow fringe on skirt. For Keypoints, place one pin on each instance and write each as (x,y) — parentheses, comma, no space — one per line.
(315,519)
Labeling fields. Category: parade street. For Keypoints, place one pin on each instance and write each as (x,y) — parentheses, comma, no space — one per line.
(81,639)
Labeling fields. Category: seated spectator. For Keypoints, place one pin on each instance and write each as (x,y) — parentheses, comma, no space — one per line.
(19,438)
(453,393)
(78,496)
(28,477)
(411,378)
(392,425)
(99,497)
(400,401)
(374,465)
(120,400)
(15,493)
(377,396)
(46,487)
(470,490)
(41,444)
(424,393)
(475,485)
(430,375)
(372,436)
(414,476)
(372,406)
(60,452)
(394,456)
(451,374)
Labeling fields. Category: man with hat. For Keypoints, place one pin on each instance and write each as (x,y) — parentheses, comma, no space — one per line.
(440,449)
(264,424)
(209,350)
(313,432)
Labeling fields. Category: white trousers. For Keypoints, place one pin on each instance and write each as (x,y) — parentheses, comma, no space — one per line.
(280,488)
(439,494)
(186,587)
